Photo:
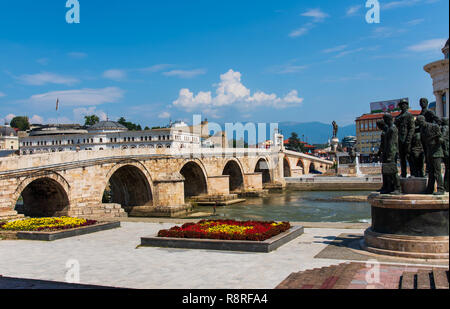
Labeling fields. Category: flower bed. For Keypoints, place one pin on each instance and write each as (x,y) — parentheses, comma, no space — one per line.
(227,230)
(45,224)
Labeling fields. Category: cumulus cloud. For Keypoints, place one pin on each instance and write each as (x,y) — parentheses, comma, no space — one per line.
(80,97)
(231,92)
(36,119)
(79,113)
(44,78)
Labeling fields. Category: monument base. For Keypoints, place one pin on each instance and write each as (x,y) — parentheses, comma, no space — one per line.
(418,247)
(410,225)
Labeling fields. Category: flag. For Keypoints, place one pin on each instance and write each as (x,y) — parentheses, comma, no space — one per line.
(57,104)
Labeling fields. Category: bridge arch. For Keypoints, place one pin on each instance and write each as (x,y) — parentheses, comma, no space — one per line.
(233,168)
(43,195)
(312,168)
(301,164)
(286,167)
(262,166)
(195,176)
(128,184)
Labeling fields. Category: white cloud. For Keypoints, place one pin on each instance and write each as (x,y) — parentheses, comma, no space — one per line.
(301,31)
(348,52)
(81,97)
(79,113)
(317,14)
(36,119)
(114,74)
(415,22)
(185,73)
(288,69)
(231,92)
(351,11)
(428,45)
(2,94)
(334,49)
(164,115)
(156,68)
(7,119)
(399,4)
(77,55)
(46,78)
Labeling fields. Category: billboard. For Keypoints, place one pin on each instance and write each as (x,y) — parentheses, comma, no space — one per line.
(386,106)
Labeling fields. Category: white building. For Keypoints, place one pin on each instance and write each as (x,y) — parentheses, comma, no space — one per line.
(438,71)
(103,135)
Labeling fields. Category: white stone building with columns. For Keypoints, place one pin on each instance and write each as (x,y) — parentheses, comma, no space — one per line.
(103,136)
(438,71)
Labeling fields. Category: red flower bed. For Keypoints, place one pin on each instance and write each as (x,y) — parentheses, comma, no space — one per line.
(227,230)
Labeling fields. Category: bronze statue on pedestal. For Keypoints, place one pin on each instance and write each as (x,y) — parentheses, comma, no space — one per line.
(389,154)
(405,125)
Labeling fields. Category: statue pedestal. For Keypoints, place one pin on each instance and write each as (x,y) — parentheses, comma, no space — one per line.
(411,226)
(414,185)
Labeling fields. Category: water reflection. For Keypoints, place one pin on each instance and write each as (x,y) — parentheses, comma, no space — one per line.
(298,206)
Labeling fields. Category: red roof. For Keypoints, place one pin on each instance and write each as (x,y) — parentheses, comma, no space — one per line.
(380,115)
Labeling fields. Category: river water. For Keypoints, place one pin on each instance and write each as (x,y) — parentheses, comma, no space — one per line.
(312,206)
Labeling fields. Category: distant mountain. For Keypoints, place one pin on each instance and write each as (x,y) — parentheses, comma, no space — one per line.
(315,132)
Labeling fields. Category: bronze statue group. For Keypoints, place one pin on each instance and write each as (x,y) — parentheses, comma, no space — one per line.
(421,142)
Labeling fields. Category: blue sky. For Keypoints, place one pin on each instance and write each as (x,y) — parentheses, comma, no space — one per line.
(231,61)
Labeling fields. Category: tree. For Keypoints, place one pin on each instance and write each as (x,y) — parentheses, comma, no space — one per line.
(129,125)
(295,144)
(21,123)
(91,120)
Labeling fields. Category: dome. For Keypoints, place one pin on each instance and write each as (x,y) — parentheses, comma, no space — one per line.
(7,131)
(106,126)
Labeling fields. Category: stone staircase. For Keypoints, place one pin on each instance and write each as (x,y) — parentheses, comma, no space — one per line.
(353,276)
(436,278)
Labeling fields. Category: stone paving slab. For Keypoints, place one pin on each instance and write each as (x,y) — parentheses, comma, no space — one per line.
(111,258)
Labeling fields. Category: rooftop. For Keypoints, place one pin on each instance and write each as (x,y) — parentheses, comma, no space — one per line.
(380,115)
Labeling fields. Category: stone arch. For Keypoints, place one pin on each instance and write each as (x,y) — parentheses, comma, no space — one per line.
(195,182)
(301,164)
(43,195)
(312,167)
(129,184)
(286,167)
(262,166)
(233,168)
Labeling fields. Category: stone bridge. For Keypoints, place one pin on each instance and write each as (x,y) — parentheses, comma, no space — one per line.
(109,183)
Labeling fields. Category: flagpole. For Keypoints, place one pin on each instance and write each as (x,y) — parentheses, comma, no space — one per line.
(57,111)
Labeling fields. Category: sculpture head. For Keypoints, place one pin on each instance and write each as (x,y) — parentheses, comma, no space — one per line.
(403,105)
(381,125)
(423,103)
(444,122)
(430,116)
(388,119)
(421,120)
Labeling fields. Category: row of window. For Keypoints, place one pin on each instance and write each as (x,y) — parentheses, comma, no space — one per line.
(45,150)
(111,140)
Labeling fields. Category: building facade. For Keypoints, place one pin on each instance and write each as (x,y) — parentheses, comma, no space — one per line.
(438,71)
(104,135)
(368,137)
(8,139)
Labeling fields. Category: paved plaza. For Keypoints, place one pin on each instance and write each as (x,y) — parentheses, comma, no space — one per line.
(113,258)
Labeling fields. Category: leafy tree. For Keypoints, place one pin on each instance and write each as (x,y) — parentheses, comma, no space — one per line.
(91,120)
(146,128)
(20,122)
(294,143)
(129,125)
